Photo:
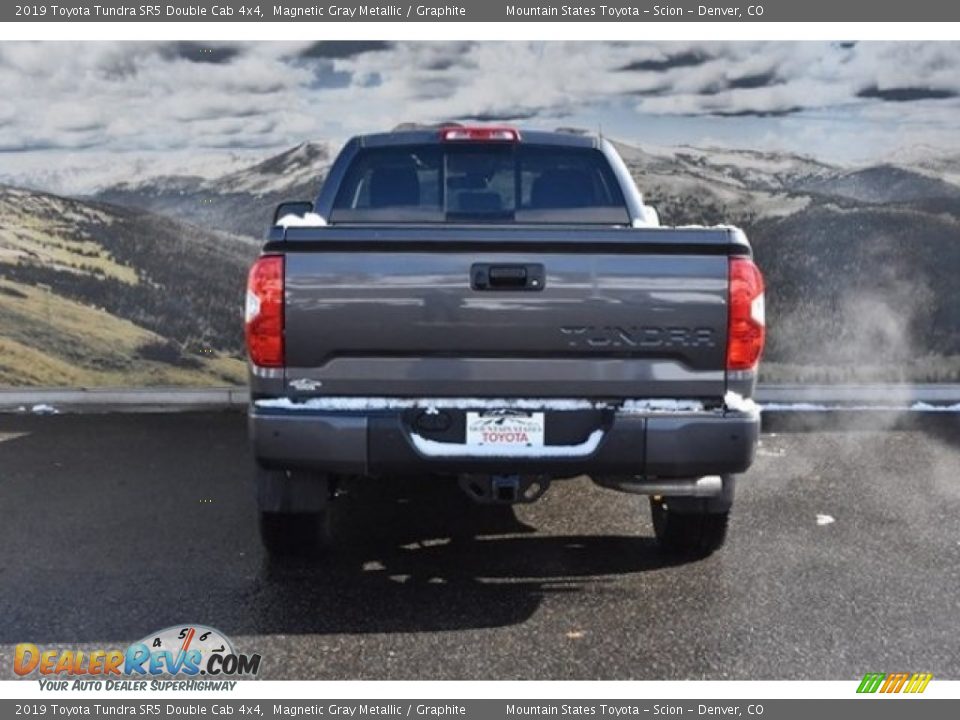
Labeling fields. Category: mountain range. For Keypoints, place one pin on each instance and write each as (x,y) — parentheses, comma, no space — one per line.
(239,201)
(141,283)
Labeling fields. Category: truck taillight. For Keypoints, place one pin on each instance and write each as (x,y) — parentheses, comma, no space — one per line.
(747,326)
(485,134)
(264,312)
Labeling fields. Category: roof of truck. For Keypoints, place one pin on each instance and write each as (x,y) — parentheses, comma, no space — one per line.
(422,136)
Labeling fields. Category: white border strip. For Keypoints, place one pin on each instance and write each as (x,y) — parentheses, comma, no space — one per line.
(320,692)
(635,31)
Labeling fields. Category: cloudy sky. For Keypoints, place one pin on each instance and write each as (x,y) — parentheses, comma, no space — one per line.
(75,115)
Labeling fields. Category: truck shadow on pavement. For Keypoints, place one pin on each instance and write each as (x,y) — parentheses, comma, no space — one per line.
(116,526)
(419,559)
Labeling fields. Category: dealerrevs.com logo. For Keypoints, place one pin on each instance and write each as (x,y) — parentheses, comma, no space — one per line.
(185,652)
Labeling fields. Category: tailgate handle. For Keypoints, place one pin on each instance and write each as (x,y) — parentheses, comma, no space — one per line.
(491,276)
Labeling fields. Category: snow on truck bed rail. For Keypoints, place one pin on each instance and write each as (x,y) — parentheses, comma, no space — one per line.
(308,220)
(314,220)
(718,226)
(738,403)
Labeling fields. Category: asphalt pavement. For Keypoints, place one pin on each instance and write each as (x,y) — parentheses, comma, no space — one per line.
(843,558)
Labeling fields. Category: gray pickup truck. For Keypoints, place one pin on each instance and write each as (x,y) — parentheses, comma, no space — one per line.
(498,308)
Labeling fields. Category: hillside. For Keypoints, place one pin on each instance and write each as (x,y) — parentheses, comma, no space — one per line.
(861,293)
(93,294)
(860,263)
(881,184)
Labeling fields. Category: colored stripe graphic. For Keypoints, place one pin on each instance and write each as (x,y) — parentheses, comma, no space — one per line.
(871,682)
(894,682)
(918,683)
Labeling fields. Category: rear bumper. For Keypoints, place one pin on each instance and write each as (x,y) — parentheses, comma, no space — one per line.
(373,442)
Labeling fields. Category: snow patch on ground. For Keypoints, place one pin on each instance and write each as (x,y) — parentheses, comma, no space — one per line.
(308,220)
(818,407)
(432,448)
(927,407)
(763,451)
(797,407)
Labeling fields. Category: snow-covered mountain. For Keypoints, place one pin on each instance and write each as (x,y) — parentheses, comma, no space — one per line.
(749,185)
(720,185)
(926,157)
(751,169)
(686,184)
(296,168)
(240,201)
(83,174)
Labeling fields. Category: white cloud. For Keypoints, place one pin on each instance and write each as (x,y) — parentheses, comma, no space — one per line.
(143,98)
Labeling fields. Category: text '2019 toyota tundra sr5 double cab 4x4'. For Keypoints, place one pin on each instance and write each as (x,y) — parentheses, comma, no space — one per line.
(500,309)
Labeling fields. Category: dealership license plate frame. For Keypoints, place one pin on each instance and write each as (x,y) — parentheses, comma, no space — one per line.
(482,426)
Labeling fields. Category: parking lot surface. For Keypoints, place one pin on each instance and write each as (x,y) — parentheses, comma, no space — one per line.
(843,557)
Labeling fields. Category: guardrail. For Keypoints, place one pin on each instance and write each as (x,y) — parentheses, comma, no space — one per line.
(126,399)
(867,394)
(222,398)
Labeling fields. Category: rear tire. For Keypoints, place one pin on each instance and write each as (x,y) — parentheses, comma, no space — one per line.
(695,532)
(294,512)
(292,535)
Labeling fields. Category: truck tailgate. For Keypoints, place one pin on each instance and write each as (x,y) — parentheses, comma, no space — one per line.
(615,314)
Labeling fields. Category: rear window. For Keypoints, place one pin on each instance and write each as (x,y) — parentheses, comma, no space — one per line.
(480,182)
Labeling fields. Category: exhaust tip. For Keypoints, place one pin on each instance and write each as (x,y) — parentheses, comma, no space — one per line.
(706,486)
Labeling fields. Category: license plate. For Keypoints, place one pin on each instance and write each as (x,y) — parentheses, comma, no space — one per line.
(505,429)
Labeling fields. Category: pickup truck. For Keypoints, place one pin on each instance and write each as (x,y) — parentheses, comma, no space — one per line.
(498,308)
